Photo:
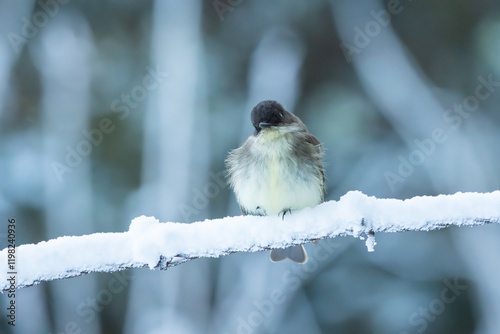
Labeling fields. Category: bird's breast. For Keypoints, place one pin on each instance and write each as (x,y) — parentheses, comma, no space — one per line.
(277,180)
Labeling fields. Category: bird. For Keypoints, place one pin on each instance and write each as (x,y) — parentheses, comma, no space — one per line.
(277,170)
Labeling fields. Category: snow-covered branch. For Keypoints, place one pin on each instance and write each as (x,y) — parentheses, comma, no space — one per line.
(149,243)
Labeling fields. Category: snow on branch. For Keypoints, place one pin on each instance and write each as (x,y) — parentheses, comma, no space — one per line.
(149,243)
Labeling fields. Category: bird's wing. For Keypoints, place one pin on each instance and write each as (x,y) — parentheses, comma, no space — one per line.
(311,139)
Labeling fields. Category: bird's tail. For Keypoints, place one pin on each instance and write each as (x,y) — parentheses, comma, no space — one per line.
(295,253)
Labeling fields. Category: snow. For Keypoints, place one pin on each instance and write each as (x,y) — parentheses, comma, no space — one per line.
(370,242)
(355,214)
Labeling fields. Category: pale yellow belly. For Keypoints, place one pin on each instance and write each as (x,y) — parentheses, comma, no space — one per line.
(276,187)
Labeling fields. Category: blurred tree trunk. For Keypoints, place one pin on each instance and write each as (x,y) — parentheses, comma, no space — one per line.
(62,57)
(176,136)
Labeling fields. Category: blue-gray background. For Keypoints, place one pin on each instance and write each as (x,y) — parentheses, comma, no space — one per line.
(93,133)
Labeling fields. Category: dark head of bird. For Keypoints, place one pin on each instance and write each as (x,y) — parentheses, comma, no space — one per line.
(269,114)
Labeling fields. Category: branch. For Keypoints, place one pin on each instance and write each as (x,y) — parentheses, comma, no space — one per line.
(149,243)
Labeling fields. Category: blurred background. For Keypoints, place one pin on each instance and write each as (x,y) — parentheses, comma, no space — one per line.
(114,109)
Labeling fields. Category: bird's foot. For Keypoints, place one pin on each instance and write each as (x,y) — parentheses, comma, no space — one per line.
(283,213)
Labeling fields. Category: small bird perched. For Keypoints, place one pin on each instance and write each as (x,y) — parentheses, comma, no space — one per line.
(277,169)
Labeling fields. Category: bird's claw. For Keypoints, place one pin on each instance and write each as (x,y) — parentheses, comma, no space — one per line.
(283,213)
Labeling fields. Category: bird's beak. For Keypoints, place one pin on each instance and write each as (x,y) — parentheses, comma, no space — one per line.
(264,125)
